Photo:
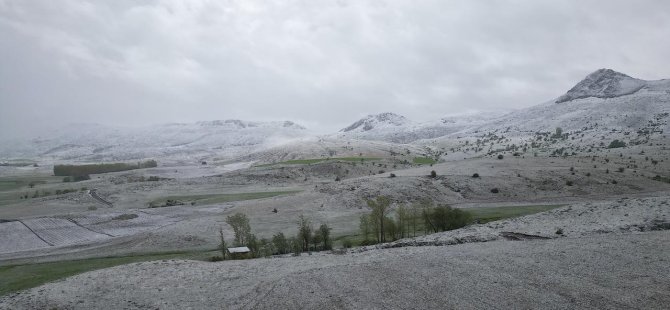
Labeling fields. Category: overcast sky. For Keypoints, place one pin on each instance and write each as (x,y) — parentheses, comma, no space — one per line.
(323,64)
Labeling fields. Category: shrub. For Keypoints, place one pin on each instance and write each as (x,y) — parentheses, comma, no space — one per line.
(433,174)
(614,182)
(475,175)
(500,156)
(616,144)
(216,258)
(346,243)
(495,190)
(621,169)
(392,175)
(569,183)
(559,231)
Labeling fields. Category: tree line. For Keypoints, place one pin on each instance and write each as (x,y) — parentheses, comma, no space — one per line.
(383,224)
(307,239)
(79,171)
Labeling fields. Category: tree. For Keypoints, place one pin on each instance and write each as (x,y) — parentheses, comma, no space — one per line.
(324,232)
(559,133)
(364,226)
(240,224)
(304,232)
(296,246)
(280,243)
(379,209)
(253,245)
(401,220)
(414,217)
(222,245)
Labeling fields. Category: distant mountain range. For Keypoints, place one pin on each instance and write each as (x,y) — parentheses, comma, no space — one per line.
(604,101)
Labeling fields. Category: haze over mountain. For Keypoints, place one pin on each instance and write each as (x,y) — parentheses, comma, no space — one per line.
(604,101)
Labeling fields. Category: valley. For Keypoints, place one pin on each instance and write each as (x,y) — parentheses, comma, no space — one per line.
(566,184)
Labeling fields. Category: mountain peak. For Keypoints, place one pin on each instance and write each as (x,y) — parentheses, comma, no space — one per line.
(603,83)
(373,121)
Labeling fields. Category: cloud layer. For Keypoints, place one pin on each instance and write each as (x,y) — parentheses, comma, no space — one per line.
(320,63)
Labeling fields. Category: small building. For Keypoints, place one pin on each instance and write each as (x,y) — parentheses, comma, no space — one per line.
(241,252)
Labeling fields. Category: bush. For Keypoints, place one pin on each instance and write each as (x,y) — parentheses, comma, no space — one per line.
(433,174)
(559,231)
(569,183)
(475,175)
(616,144)
(392,175)
(216,258)
(495,190)
(346,243)
(500,156)
(614,182)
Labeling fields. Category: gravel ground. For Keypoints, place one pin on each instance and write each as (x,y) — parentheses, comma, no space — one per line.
(612,271)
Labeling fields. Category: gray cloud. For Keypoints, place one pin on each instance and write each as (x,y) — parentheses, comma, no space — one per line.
(320,63)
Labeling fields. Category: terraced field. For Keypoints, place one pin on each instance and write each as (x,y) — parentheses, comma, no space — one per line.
(61,232)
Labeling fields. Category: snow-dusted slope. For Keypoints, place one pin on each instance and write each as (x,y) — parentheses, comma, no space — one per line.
(95,142)
(395,128)
(604,101)
(603,83)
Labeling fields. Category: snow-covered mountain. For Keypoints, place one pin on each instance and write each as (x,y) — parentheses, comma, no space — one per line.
(604,105)
(605,100)
(603,83)
(94,142)
(380,121)
(396,128)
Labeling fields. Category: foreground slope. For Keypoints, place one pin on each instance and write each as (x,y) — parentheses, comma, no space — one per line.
(591,273)
(609,255)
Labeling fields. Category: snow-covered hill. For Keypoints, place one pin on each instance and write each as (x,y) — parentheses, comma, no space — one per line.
(94,142)
(395,128)
(604,101)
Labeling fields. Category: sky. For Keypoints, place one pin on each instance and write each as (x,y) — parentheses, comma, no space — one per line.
(322,64)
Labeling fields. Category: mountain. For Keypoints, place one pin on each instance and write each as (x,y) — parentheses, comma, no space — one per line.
(94,142)
(396,128)
(377,121)
(603,83)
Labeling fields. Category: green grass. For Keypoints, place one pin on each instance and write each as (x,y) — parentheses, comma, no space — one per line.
(424,160)
(219,198)
(18,277)
(490,214)
(318,160)
(12,183)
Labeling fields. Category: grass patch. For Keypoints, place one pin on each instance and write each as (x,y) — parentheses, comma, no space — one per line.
(218,198)
(490,214)
(19,277)
(318,160)
(424,160)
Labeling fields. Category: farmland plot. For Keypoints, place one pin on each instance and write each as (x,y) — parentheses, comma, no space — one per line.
(17,237)
(123,224)
(61,232)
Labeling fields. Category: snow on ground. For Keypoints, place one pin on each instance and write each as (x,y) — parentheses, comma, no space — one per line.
(594,272)
(17,237)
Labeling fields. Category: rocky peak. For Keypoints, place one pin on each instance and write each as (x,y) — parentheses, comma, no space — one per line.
(603,83)
(376,120)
